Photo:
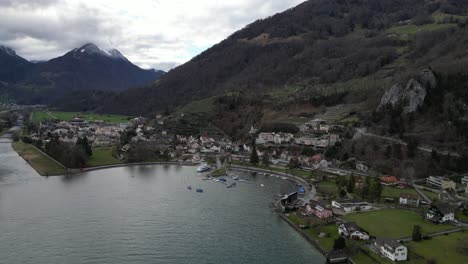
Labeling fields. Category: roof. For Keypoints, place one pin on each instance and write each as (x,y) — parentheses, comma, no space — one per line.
(316,157)
(337,256)
(390,244)
(352,226)
(389,178)
(409,196)
(444,208)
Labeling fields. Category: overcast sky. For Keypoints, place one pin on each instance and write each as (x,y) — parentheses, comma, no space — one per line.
(151,33)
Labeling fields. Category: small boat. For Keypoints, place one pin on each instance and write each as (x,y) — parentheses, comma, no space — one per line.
(199,190)
(262,185)
(222,179)
(189,187)
(231,185)
(236,178)
(203,168)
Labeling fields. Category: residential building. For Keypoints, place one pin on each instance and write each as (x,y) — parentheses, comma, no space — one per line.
(464,181)
(389,180)
(319,209)
(441,182)
(362,166)
(409,199)
(351,205)
(440,212)
(391,249)
(353,231)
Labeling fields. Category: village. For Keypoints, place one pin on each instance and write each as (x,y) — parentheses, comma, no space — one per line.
(351,212)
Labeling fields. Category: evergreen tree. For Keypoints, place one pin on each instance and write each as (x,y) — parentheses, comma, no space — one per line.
(417,236)
(351,184)
(254,156)
(266,159)
(342,193)
(339,243)
(365,188)
(377,189)
(84,143)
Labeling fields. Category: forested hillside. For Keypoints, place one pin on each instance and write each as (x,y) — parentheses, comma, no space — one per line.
(319,42)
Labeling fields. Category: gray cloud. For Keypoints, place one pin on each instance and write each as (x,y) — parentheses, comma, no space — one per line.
(158,34)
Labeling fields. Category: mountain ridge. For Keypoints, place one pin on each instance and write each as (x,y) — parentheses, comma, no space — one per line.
(84,68)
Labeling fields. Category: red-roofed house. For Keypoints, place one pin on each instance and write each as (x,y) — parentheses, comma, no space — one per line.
(389,180)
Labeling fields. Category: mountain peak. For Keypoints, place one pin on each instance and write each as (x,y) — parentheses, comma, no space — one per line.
(91,48)
(7,50)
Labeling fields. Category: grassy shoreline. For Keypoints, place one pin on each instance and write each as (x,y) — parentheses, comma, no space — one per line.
(42,164)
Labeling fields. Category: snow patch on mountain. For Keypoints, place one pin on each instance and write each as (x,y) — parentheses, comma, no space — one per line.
(91,48)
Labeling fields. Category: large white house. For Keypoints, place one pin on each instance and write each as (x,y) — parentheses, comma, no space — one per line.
(440,182)
(440,212)
(353,231)
(391,249)
(351,205)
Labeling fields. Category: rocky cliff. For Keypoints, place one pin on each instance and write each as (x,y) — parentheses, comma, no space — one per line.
(410,96)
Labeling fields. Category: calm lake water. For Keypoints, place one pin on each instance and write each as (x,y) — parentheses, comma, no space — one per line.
(141,214)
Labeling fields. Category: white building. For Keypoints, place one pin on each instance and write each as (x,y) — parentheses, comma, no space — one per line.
(353,231)
(441,182)
(391,249)
(351,205)
(440,213)
(409,199)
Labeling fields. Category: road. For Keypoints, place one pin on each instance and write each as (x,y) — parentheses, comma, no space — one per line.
(362,131)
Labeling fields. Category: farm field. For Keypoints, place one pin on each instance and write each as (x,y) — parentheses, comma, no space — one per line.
(407,31)
(327,187)
(453,247)
(40,116)
(393,223)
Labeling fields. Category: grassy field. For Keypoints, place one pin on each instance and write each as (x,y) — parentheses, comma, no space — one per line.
(331,233)
(440,17)
(42,164)
(395,192)
(39,116)
(327,187)
(393,223)
(452,248)
(297,220)
(408,31)
(102,156)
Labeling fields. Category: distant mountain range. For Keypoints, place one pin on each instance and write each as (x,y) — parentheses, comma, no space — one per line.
(87,68)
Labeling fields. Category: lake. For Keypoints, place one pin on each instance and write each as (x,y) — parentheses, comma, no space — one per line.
(141,214)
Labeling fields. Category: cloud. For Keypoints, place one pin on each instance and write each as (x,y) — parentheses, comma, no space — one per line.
(159,34)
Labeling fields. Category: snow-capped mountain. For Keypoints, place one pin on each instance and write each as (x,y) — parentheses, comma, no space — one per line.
(84,68)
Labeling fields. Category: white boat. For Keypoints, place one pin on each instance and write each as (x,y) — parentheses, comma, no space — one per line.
(203,168)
